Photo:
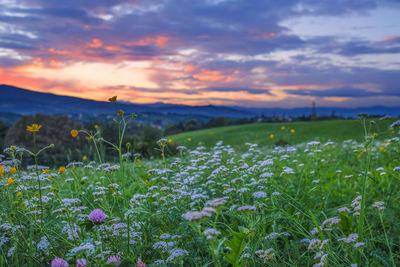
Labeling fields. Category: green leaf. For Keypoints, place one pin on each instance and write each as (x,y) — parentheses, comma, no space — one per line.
(317,225)
(345,223)
(237,245)
(127,263)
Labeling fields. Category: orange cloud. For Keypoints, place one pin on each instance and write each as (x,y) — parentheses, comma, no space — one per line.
(262,35)
(160,41)
(212,76)
(13,77)
(58,52)
(96,43)
(112,48)
(188,68)
(266,35)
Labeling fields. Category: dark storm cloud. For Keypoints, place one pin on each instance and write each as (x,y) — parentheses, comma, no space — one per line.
(355,48)
(337,7)
(15,45)
(87,4)
(341,92)
(242,27)
(254,91)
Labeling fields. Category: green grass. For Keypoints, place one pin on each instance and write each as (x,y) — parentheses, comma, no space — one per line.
(238,135)
(253,206)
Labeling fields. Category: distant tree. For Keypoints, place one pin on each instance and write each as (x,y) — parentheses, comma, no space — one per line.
(243,121)
(174,128)
(148,141)
(192,125)
(217,122)
(55,130)
(3,131)
(150,134)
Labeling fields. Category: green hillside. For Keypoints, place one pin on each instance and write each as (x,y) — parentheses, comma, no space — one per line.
(238,135)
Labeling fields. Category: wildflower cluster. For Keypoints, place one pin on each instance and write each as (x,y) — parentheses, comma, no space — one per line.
(280,206)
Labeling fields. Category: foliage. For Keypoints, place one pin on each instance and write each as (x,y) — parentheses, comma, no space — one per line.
(314,203)
(55,131)
(3,130)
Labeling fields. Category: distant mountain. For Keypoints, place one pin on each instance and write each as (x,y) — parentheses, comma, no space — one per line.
(26,102)
(324,111)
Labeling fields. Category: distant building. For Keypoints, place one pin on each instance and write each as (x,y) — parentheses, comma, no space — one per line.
(314,111)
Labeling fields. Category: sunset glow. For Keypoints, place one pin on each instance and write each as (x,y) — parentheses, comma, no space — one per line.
(265,54)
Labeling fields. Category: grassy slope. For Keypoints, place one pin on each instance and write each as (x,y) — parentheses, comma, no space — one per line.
(314,189)
(238,135)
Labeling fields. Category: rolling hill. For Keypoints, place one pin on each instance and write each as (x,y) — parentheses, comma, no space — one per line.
(259,133)
(26,102)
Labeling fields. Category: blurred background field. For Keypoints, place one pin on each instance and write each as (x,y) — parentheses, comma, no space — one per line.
(287,133)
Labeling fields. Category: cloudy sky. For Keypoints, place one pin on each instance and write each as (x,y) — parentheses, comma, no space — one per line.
(267,53)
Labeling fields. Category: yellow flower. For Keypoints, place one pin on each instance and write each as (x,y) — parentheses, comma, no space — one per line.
(45,171)
(96,126)
(283,128)
(170,140)
(61,170)
(1,170)
(113,99)
(74,133)
(161,143)
(271,136)
(112,188)
(10,181)
(13,148)
(33,128)
(360,154)
(146,181)
(13,170)
(19,194)
(393,131)
(84,158)
(189,139)
(162,155)
(292,130)
(120,113)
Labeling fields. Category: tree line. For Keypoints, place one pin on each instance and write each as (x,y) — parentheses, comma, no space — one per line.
(139,138)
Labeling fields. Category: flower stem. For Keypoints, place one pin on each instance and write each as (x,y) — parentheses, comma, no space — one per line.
(387,240)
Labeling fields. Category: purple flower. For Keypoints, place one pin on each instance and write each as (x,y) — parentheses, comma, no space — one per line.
(58,262)
(80,263)
(141,263)
(97,216)
(115,259)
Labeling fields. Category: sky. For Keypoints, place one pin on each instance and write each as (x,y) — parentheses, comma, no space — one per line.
(270,53)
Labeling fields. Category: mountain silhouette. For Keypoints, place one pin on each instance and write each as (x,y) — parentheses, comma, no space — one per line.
(26,102)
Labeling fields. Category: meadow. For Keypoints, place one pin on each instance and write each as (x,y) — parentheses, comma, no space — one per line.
(311,194)
(283,133)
